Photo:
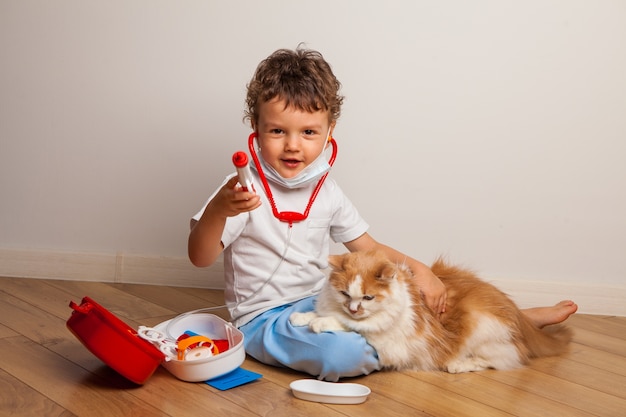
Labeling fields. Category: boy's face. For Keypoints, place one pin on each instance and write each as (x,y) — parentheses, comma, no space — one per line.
(291,139)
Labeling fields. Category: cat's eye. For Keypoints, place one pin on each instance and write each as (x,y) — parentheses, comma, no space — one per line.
(368,297)
(344,293)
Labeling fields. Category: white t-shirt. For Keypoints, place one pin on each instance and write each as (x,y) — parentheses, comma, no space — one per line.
(254,244)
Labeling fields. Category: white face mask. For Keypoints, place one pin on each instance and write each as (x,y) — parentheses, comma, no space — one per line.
(313,172)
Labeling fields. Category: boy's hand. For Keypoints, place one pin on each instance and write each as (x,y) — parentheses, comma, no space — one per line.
(433,290)
(205,242)
(231,200)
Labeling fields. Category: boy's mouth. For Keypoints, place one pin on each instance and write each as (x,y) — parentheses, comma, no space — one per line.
(291,163)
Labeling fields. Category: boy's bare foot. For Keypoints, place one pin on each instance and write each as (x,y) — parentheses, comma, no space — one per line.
(545,316)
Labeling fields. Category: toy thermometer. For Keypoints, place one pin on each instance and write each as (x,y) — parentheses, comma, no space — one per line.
(240,159)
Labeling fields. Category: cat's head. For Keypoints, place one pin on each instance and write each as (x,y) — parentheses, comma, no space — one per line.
(364,283)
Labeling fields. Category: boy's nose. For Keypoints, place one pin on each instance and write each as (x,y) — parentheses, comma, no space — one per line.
(292,142)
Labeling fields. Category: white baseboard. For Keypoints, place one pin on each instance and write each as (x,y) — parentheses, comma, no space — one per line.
(596,299)
(120,268)
(140,269)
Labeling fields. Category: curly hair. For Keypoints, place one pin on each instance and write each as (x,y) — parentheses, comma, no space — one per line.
(302,78)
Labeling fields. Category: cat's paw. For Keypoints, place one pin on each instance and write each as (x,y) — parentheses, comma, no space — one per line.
(302,319)
(326,324)
(467,365)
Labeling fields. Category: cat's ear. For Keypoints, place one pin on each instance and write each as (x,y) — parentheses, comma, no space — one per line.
(336,261)
(387,272)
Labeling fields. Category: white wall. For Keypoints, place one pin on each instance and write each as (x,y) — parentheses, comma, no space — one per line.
(491,131)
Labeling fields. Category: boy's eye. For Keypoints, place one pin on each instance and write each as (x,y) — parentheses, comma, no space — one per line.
(309,132)
(276,131)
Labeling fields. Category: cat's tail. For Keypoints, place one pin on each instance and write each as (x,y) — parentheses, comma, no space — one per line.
(549,341)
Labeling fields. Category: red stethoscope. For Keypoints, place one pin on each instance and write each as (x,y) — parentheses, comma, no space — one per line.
(288,216)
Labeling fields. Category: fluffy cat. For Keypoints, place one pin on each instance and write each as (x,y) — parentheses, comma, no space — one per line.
(482,328)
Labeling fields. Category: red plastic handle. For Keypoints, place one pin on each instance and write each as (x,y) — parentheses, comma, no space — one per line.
(83,308)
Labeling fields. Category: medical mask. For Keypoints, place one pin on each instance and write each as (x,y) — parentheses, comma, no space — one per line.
(311,173)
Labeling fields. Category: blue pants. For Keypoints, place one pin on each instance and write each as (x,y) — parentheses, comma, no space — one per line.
(270,338)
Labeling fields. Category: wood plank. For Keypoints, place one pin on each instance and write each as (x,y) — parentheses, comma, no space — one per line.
(215,297)
(419,395)
(168,297)
(20,400)
(67,384)
(178,299)
(506,398)
(38,293)
(180,398)
(598,359)
(601,341)
(118,302)
(267,398)
(23,318)
(55,295)
(619,323)
(571,394)
(46,330)
(583,375)
(6,332)
(606,325)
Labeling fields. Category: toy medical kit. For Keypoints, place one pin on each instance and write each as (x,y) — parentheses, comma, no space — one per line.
(240,160)
(329,392)
(208,367)
(288,216)
(204,346)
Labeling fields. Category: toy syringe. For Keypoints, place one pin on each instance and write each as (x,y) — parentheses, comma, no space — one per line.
(240,159)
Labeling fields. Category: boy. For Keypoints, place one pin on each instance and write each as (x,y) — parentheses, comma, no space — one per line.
(274,267)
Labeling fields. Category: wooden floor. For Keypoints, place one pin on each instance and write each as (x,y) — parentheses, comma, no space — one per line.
(46,371)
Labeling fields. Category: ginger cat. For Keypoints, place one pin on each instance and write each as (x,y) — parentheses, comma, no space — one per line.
(482,328)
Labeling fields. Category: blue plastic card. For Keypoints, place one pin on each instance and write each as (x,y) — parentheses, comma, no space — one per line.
(233,379)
